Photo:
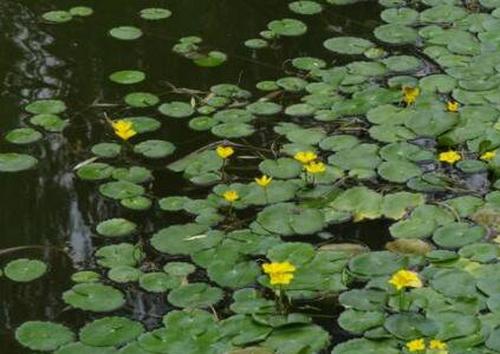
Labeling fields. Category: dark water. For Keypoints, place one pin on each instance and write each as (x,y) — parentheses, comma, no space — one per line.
(48,210)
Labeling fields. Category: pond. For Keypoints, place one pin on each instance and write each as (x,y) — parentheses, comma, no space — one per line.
(292,177)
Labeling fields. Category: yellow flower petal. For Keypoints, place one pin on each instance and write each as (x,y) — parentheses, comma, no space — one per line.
(231,196)
(123,129)
(405,279)
(315,167)
(437,344)
(450,157)
(305,156)
(416,345)
(410,94)
(224,151)
(280,273)
(489,155)
(452,106)
(263,181)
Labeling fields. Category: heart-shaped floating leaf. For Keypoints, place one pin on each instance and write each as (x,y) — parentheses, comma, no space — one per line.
(25,270)
(127,77)
(155,13)
(348,45)
(43,336)
(116,227)
(110,331)
(287,27)
(126,33)
(158,282)
(195,295)
(94,297)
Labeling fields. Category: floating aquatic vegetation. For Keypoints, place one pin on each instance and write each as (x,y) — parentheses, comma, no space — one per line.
(393,135)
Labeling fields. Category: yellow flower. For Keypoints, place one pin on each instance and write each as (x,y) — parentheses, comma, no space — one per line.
(489,155)
(123,129)
(280,273)
(437,344)
(305,156)
(452,106)
(224,151)
(263,181)
(410,94)
(231,196)
(405,279)
(450,157)
(315,167)
(416,345)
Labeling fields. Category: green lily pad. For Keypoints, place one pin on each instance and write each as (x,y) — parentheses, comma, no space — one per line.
(46,107)
(158,282)
(155,13)
(50,122)
(127,77)
(308,63)
(358,322)
(402,16)
(57,16)
(296,339)
(24,270)
(122,254)
(143,124)
(211,59)
(195,295)
(176,109)
(110,331)
(107,150)
(154,149)
(377,263)
(288,219)
(124,274)
(236,275)
(454,324)
(121,190)
(454,283)
(408,326)
(347,45)
(365,346)
(126,33)
(80,348)
(263,108)
(116,227)
(398,171)
(458,234)
(82,11)
(134,174)
(141,99)
(43,336)
(179,269)
(23,136)
(85,276)
(95,171)
(233,130)
(202,123)
(256,43)
(185,239)
(234,115)
(94,297)
(305,7)
(396,34)
(287,27)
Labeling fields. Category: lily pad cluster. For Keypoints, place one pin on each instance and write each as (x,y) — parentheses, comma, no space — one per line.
(190,48)
(45,117)
(393,135)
